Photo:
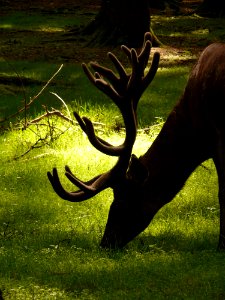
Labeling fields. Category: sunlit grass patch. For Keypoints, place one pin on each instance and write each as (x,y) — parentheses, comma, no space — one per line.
(41,21)
(187,31)
(50,247)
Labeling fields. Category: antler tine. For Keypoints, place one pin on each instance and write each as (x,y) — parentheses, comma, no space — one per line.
(85,129)
(144,55)
(69,196)
(152,70)
(100,83)
(116,91)
(100,144)
(87,189)
(91,186)
(117,83)
(119,67)
(146,49)
(84,186)
(139,63)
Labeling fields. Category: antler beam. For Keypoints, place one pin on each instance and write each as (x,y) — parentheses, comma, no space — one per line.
(125,91)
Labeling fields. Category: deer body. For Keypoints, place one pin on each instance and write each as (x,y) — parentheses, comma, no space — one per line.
(193,132)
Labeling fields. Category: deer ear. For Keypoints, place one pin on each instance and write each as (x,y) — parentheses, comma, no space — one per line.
(137,172)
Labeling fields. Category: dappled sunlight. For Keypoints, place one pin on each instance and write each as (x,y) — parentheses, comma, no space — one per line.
(175,58)
(43,28)
(49,248)
(191,31)
(36,21)
(6,26)
(50,29)
(201,32)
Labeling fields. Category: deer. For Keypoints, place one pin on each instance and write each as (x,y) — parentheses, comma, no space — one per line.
(193,132)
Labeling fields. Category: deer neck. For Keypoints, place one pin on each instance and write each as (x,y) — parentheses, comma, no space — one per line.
(179,148)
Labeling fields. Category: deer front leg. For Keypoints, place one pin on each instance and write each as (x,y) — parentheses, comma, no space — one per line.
(219,161)
(221,245)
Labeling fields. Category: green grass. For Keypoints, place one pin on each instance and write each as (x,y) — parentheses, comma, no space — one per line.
(188,31)
(49,248)
(37,21)
(80,95)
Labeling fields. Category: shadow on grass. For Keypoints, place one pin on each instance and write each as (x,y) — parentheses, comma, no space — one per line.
(49,248)
(188,32)
(94,274)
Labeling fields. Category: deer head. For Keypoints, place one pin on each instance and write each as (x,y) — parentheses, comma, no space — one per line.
(127,216)
(193,132)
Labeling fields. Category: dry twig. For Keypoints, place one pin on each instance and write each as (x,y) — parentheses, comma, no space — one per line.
(32,99)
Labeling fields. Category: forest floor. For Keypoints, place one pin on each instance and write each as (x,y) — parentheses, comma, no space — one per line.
(34,42)
(63,43)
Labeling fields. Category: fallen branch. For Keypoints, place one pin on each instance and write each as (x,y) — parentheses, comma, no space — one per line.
(32,99)
(63,102)
(58,113)
(54,112)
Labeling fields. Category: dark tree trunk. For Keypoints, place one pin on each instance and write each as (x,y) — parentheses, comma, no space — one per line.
(120,22)
(212,8)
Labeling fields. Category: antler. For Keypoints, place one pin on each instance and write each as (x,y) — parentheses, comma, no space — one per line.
(125,90)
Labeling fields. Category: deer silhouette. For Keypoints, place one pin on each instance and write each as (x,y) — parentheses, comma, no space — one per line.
(193,132)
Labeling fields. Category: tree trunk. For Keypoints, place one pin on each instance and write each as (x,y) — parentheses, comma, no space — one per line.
(120,22)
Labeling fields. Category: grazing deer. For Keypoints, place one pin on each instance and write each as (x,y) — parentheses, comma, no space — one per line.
(193,132)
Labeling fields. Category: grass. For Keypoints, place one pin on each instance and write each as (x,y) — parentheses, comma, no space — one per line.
(49,248)
(37,21)
(192,31)
(87,101)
